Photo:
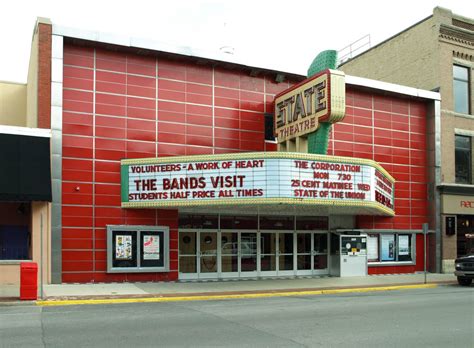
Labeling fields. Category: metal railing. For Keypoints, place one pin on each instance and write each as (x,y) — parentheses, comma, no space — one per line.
(354,49)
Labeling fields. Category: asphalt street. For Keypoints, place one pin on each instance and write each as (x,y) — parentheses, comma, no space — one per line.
(439,317)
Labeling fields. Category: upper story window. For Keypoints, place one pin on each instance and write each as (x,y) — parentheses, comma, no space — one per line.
(269,126)
(463,159)
(461,89)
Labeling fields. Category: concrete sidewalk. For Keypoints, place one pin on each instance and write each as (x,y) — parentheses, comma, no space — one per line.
(222,287)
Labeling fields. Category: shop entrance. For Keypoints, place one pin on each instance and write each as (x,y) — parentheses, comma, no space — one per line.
(250,254)
(312,253)
(238,254)
(198,254)
(276,253)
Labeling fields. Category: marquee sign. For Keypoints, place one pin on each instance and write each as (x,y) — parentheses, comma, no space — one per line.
(254,178)
(299,110)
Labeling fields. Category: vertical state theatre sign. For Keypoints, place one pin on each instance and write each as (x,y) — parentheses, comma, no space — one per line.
(256,179)
(300,109)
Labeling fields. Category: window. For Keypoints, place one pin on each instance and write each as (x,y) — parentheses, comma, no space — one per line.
(198,221)
(239,222)
(269,127)
(311,223)
(463,159)
(15,235)
(465,237)
(390,247)
(461,89)
(137,249)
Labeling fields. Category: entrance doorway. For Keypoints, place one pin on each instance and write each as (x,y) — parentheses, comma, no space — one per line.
(198,254)
(249,254)
(276,253)
(312,253)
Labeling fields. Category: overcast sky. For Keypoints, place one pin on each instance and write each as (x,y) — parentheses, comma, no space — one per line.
(284,35)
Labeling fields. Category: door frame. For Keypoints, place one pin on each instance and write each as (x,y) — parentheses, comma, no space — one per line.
(312,253)
(199,274)
(277,272)
(219,274)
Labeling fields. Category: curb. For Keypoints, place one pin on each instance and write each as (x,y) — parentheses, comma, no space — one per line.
(228,296)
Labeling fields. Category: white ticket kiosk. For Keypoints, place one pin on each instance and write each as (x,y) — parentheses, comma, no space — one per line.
(350,255)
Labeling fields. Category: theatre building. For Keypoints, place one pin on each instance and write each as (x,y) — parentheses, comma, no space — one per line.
(165,166)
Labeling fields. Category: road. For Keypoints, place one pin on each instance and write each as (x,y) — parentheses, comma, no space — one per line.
(439,317)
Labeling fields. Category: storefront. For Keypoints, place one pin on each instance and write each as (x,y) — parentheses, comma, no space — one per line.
(457,222)
(165,167)
(25,193)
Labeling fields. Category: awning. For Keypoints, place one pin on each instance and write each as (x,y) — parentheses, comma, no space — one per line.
(25,164)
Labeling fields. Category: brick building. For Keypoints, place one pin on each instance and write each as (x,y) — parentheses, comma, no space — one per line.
(437,54)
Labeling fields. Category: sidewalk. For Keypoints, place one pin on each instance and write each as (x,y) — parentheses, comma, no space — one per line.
(223,287)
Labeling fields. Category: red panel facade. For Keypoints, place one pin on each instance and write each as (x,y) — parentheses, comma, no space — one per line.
(118,105)
(390,131)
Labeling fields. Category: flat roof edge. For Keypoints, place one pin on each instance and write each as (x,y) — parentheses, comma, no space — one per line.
(27,131)
(391,87)
(150,44)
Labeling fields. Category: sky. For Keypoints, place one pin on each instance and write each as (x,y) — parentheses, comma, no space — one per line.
(282,35)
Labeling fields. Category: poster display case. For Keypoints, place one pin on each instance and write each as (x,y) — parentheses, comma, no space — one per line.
(137,249)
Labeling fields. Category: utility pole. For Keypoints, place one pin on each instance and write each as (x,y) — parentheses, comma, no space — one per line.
(425,232)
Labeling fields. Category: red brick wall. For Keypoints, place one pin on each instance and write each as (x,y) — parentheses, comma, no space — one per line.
(44,75)
(144,107)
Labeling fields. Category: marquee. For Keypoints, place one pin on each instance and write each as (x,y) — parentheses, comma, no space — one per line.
(256,179)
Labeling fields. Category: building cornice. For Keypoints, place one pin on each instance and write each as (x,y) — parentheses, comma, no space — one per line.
(25,131)
(456,189)
(456,34)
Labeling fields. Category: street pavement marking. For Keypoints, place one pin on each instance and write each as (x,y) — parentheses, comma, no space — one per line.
(228,296)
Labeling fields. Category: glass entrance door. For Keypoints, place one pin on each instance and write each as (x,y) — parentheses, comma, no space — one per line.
(312,254)
(229,254)
(320,253)
(188,247)
(285,254)
(207,255)
(304,256)
(276,253)
(268,253)
(248,254)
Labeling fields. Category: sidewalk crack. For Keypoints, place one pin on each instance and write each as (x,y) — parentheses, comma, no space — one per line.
(42,327)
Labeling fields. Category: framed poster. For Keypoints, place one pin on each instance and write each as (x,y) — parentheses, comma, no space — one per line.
(372,248)
(151,248)
(404,247)
(387,247)
(137,249)
(124,249)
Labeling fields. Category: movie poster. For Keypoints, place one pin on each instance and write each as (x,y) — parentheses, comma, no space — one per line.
(123,247)
(403,245)
(388,247)
(151,247)
(373,248)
